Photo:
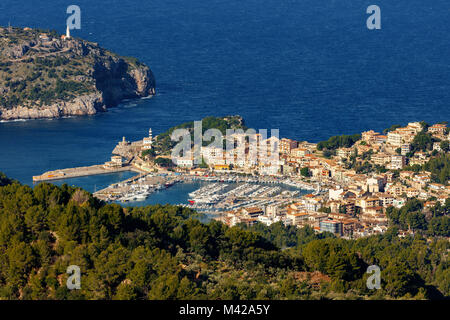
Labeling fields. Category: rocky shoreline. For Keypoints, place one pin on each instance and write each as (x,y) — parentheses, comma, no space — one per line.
(84,105)
(140,84)
(111,79)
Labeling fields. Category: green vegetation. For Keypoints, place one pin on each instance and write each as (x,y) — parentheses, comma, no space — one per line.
(364,167)
(161,252)
(329,153)
(164,142)
(36,71)
(203,165)
(423,141)
(445,146)
(164,162)
(361,163)
(411,217)
(149,152)
(392,128)
(4,180)
(305,172)
(336,142)
(44,80)
(439,168)
(286,236)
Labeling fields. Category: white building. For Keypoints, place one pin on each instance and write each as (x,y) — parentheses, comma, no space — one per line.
(184,162)
(437,146)
(394,139)
(147,142)
(406,148)
(335,194)
(399,202)
(213,155)
(397,162)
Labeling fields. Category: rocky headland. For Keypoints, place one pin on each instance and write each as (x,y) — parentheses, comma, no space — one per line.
(46,75)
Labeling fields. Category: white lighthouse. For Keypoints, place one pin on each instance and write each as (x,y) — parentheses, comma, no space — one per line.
(67,32)
(148,141)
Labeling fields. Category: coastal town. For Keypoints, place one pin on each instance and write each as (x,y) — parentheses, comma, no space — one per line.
(215,155)
(344,185)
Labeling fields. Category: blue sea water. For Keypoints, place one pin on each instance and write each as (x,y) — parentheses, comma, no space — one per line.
(97,182)
(310,68)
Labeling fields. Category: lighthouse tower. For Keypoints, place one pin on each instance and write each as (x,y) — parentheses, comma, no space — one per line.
(67,32)
(148,141)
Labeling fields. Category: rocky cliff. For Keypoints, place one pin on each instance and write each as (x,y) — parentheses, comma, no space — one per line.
(44,75)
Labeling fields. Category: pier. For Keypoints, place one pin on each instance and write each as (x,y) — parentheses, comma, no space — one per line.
(136,188)
(81,172)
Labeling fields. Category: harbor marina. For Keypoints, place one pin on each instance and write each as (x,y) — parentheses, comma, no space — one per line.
(205,194)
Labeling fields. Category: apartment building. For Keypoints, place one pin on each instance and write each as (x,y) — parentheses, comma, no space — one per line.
(381,158)
(369,136)
(300,152)
(394,138)
(397,162)
(286,145)
(438,128)
(332,226)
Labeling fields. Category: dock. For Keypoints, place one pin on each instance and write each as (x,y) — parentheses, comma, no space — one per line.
(81,172)
(136,188)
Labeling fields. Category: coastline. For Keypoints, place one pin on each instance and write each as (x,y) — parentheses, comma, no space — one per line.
(80,106)
(47,76)
(70,173)
(58,111)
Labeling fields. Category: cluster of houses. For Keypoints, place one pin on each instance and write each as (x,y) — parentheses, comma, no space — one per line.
(339,219)
(249,153)
(355,203)
(286,157)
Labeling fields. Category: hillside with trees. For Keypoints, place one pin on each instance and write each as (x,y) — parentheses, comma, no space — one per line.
(163,252)
(164,143)
(47,75)
(336,142)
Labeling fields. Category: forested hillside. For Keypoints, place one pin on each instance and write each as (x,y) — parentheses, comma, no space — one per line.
(162,252)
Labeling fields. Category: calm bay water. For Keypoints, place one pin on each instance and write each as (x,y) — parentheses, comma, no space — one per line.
(309,68)
(179,193)
(97,182)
